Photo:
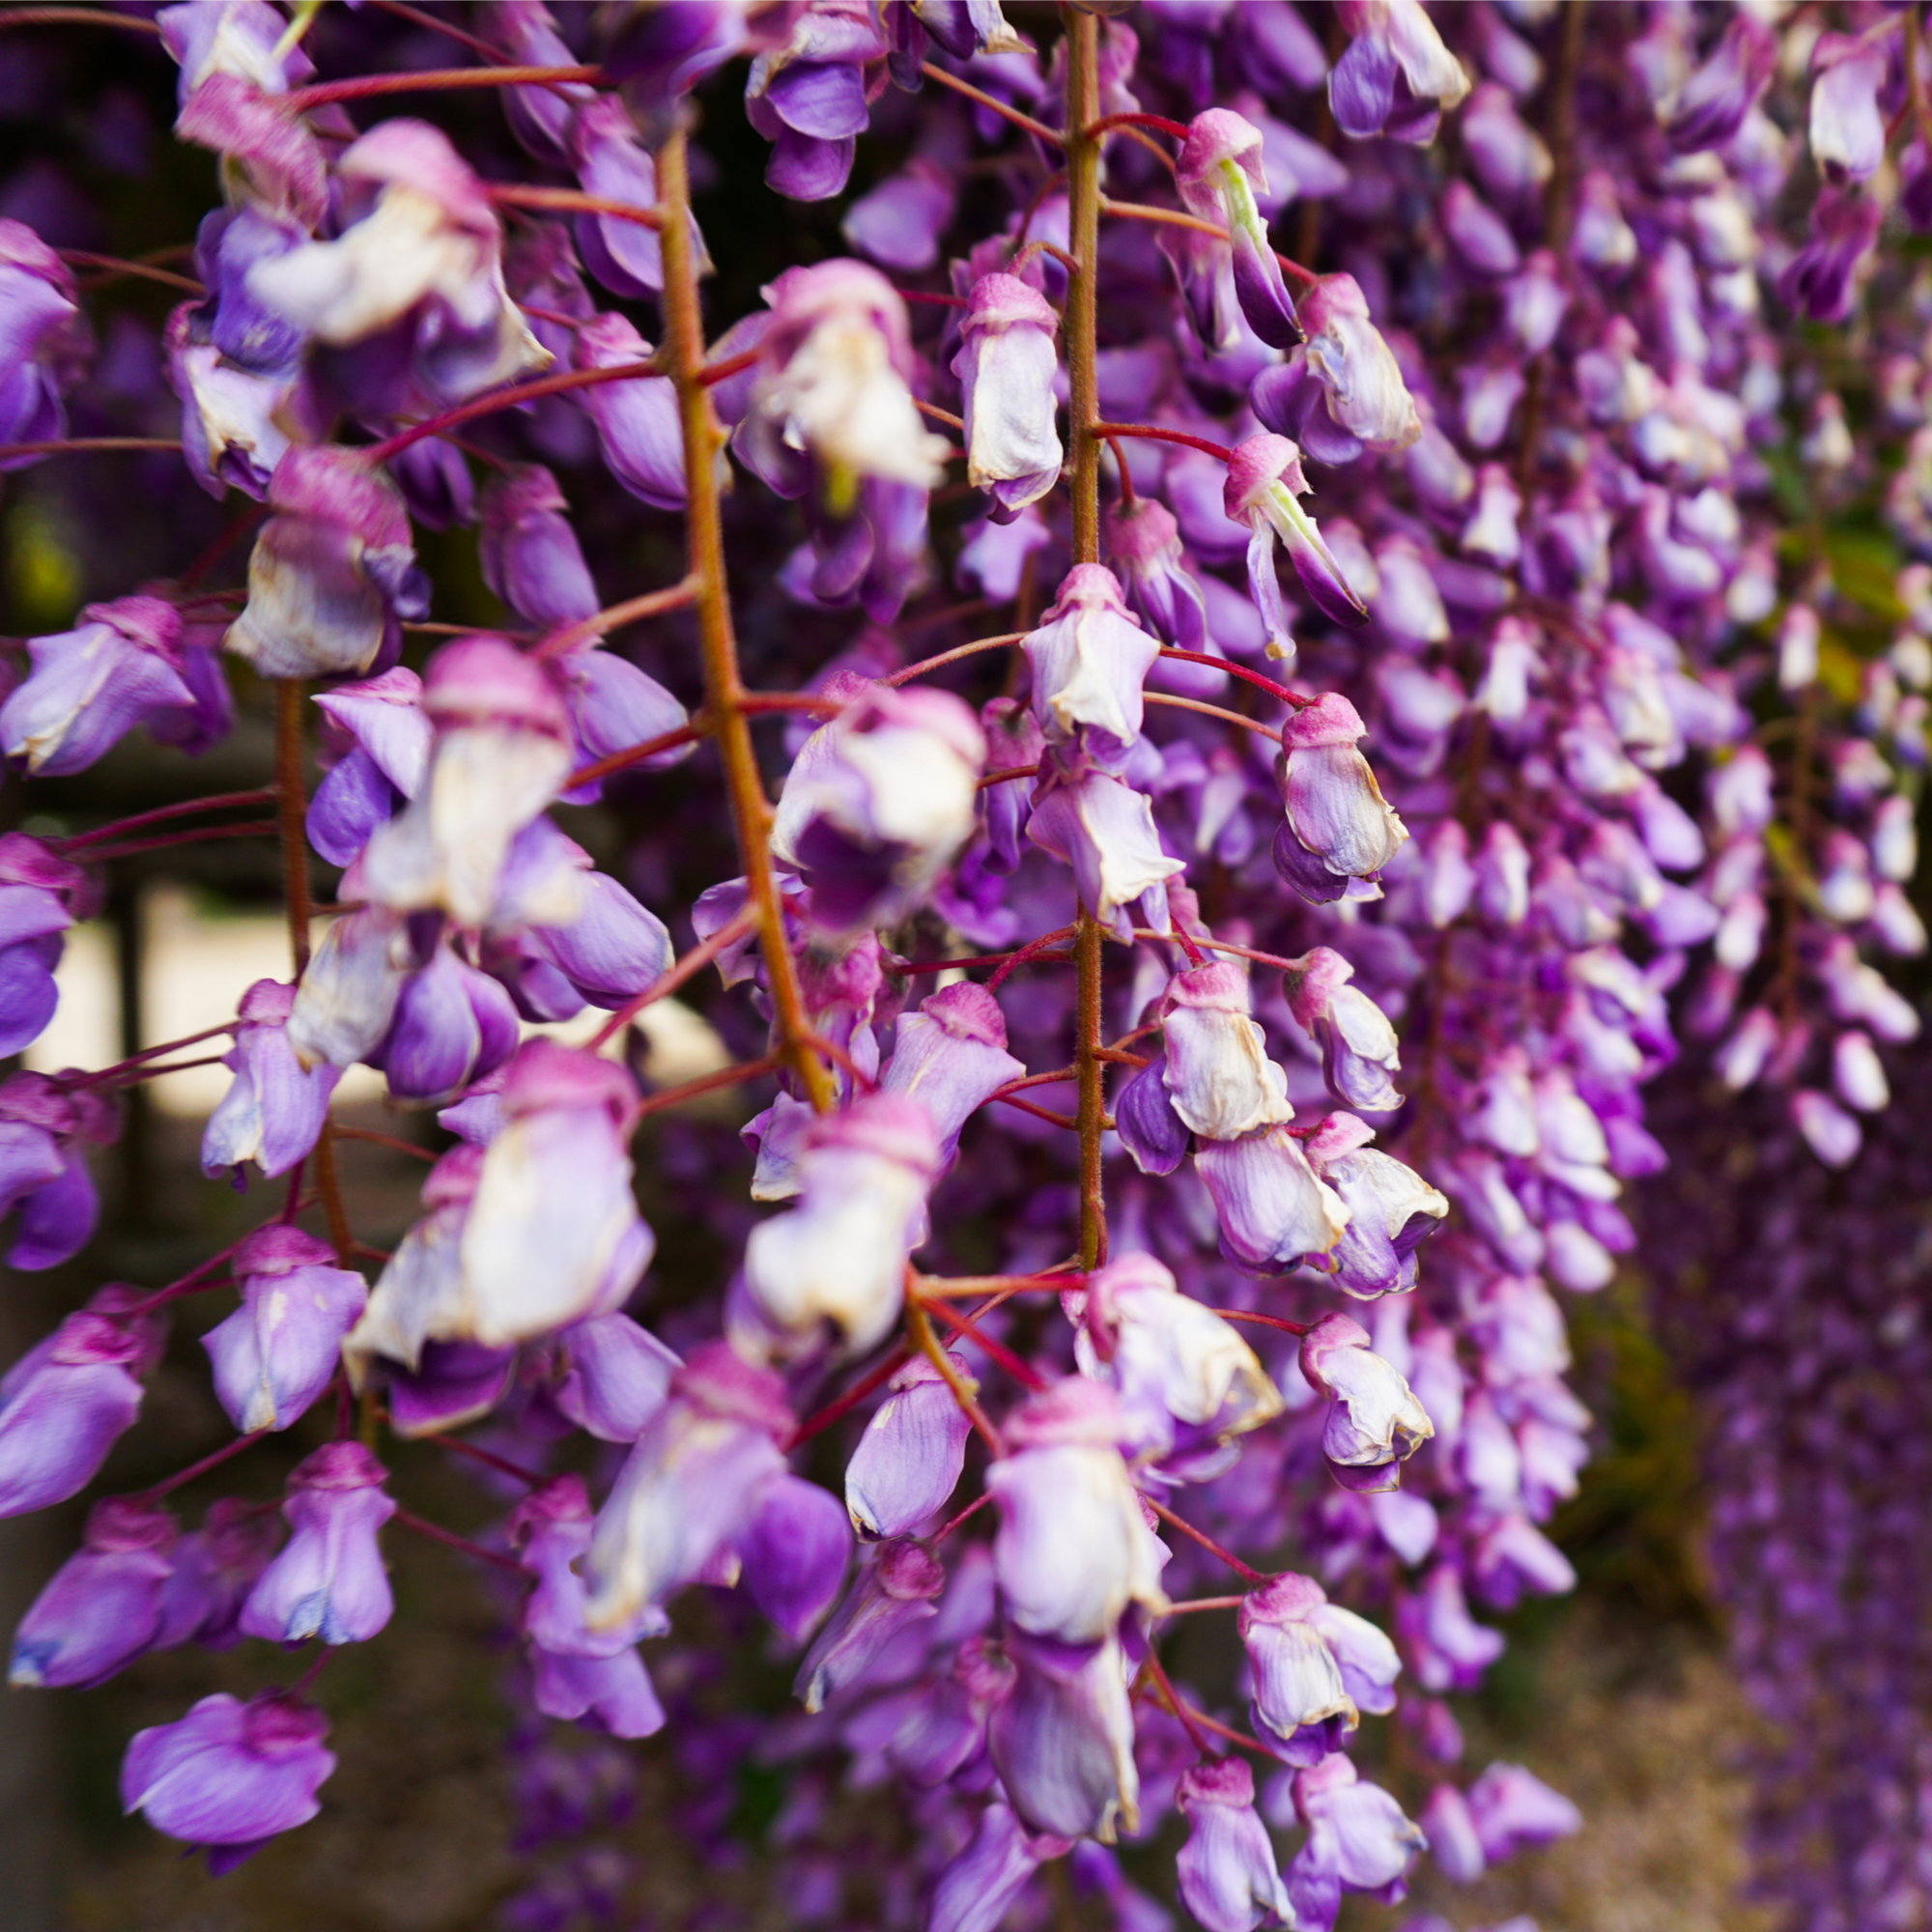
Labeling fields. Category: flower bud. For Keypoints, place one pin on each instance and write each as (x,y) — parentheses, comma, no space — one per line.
(1358,1044)
(272,1113)
(1006,366)
(909,1460)
(102,1608)
(898,1589)
(1273,1209)
(795,1549)
(841,1255)
(1105,831)
(1218,174)
(1227,1871)
(1263,481)
(1343,393)
(529,551)
(90,687)
(1064,1741)
(1073,1549)
(1374,1421)
(330,1581)
(62,1407)
(229,1776)
(274,1355)
(43,1172)
(976,1889)
(1396,76)
(950,1056)
(1339,831)
(1089,660)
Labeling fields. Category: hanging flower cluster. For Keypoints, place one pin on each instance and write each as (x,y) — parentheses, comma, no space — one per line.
(1421,688)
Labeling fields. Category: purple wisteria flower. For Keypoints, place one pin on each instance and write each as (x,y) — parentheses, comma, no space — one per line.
(330,1581)
(273,1112)
(1006,366)
(104,1604)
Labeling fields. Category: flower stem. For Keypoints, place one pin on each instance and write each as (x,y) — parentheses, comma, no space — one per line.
(963,1393)
(634,609)
(1038,129)
(634,754)
(568,201)
(1287,1326)
(504,399)
(75,16)
(100,855)
(724,689)
(958,651)
(72,847)
(83,445)
(1184,1713)
(843,1404)
(1227,716)
(117,267)
(1206,1541)
(1219,451)
(1242,671)
(432,80)
(672,978)
(708,1083)
(968,1330)
(168,1485)
(435,1532)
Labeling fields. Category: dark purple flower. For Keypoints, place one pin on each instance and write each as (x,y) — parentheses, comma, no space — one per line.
(977,1890)
(43,1170)
(1218,174)
(1820,282)
(1395,77)
(41,895)
(62,1407)
(795,1550)
(636,418)
(895,1589)
(810,97)
(529,551)
(1712,105)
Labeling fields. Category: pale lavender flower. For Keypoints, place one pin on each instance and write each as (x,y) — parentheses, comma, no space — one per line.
(1006,366)
(330,1581)
(1090,660)
(274,1355)
(909,1460)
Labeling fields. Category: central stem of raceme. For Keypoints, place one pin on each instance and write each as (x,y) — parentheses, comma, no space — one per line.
(1082,324)
(292,800)
(723,688)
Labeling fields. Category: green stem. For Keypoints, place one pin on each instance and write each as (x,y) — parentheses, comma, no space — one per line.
(723,688)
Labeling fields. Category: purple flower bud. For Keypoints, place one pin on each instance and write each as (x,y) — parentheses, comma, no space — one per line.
(215,1568)
(90,687)
(950,1056)
(502,750)
(528,551)
(1374,1421)
(1830,1133)
(239,37)
(422,249)
(978,1889)
(1090,660)
(690,1486)
(1006,366)
(841,1255)
(1512,1555)
(636,418)
(612,164)
(334,572)
(833,381)
(347,996)
(41,895)
(661,54)
(538,1231)
(1064,1741)
(277,1352)
(945,1732)
(230,432)
(452,1025)
(1358,1044)
(453,1385)
(1339,831)
(41,333)
(229,1776)
(1218,174)
(1447,1647)
(61,1409)
(1272,1209)
(1227,1869)
(908,1461)
(330,1581)
(879,801)
(596,1678)
(1263,481)
(1510,1808)
(795,1550)
(1344,394)
(1144,548)
(1169,1359)
(1104,829)
(1073,1548)
(1298,1692)
(900,223)
(1217,1073)
(1820,282)
(809,97)
(1711,107)
(273,1111)
(1143,1117)
(896,1589)
(102,1608)
(1396,76)
(43,1171)
(1452,1836)
(1391,1211)
(615,705)
(613,1377)
(1358,1839)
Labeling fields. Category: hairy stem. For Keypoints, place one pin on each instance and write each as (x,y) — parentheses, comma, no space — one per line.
(724,689)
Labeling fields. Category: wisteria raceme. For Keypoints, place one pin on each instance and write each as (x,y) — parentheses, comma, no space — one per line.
(1209,782)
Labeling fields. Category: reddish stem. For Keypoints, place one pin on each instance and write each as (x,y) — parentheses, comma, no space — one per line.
(213,553)
(1038,1112)
(76,841)
(1242,671)
(634,609)
(81,445)
(709,1083)
(435,1532)
(432,80)
(1227,716)
(934,300)
(117,265)
(1220,452)
(732,366)
(958,651)
(968,1330)
(255,828)
(634,754)
(1128,497)
(966,1515)
(489,1458)
(1005,773)
(1159,123)
(1028,951)
(168,1485)
(938,415)
(74,17)
(504,399)
(841,1405)
(1194,1604)
(1183,1712)
(672,978)
(389,1141)
(1206,1541)
(120,1067)
(1279,1322)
